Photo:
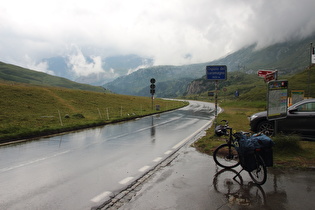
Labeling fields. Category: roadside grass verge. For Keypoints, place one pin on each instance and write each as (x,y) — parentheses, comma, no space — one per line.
(28,111)
(289,151)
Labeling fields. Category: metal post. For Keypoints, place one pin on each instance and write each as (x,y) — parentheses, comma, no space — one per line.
(216,99)
(276,121)
(309,71)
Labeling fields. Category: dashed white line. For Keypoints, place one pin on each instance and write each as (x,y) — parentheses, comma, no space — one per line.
(126,180)
(157,159)
(33,161)
(100,197)
(144,168)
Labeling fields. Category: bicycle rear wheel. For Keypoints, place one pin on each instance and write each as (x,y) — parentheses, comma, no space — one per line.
(226,156)
(257,196)
(227,181)
(259,175)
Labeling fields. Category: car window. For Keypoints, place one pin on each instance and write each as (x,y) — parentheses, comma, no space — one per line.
(307,107)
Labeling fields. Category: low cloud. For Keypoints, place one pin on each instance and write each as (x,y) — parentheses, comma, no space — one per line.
(173,32)
(78,63)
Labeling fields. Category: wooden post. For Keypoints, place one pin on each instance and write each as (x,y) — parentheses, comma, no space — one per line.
(60,118)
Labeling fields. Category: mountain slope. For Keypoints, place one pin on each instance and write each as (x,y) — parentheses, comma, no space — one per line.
(288,57)
(14,73)
(104,70)
(250,86)
(138,82)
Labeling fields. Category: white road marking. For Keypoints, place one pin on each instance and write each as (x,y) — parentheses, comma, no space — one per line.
(181,142)
(32,161)
(126,180)
(157,159)
(168,152)
(189,137)
(100,197)
(144,168)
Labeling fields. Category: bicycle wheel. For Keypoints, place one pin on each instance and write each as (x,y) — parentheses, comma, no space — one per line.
(257,196)
(259,175)
(227,181)
(226,156)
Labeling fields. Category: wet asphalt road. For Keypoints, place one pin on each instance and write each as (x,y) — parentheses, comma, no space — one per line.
(193,181)
(81,170)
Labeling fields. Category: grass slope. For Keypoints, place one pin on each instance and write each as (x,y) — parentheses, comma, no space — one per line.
(251,87)
(30,111)
(18,74)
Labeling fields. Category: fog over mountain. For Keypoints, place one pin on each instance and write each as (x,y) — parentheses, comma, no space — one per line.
(94,70)
(36,33)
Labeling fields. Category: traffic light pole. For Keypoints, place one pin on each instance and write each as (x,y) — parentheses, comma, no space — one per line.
(152,90)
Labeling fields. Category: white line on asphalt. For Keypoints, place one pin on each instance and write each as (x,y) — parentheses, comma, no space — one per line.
(33,161)
(144,168)
(181,142)
(126,180)
(168,152)
(100,197)
(192,135)
(157,159)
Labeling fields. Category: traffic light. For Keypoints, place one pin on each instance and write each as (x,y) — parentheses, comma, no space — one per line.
(152,86)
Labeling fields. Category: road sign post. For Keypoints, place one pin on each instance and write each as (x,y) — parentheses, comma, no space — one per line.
(263,73)
(312,61)
(277,101)
(268,75)
(216,73)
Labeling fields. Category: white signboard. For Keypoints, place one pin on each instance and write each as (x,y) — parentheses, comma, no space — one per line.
(277,99)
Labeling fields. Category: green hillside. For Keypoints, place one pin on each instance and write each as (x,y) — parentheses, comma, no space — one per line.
(288,58)
(30,111)
(167,77)
(250,86)
(14,73)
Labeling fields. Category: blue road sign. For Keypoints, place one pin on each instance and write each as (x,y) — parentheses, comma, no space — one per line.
(216,72)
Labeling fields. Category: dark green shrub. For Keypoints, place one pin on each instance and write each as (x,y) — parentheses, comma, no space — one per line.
(78,116)
(287,143)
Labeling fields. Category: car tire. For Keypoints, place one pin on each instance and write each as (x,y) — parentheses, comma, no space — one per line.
(266,127)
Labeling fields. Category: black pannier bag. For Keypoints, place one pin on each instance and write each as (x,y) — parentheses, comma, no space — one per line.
(266,145)
(248,161)
(247,147)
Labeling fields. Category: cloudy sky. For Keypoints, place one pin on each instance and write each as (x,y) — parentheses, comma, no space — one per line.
(171,32)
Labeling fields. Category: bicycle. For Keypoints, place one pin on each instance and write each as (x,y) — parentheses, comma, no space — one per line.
(236,191)
(234,153)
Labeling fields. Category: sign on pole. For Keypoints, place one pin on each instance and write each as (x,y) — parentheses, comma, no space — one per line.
(210,93)
(268,75)
(313,55)
(263,73)
(271,76)
(277,99)
(216,72)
